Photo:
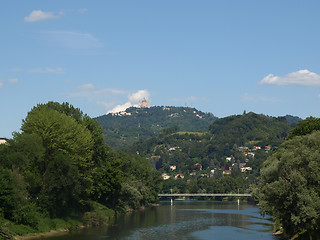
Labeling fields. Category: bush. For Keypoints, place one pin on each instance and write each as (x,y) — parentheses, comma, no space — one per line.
(98,214)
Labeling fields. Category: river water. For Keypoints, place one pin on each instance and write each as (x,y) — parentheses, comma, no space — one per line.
(189,220)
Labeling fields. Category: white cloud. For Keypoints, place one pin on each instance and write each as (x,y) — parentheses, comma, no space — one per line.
(120,108)
(301,77)
(258,98)
(133,98)
(48,70)
(12,80)
(90,92)
(73,40)
(38,15)
(138,96)
(8,80)
(109,98)
(83,10)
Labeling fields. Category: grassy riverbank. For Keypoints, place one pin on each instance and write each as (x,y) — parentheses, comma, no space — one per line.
(99,215)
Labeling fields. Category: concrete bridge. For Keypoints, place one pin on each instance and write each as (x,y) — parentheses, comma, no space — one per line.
(204,195)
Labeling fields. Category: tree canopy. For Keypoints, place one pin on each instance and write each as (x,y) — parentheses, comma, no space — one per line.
(59,165)
(305,127)
(290,184)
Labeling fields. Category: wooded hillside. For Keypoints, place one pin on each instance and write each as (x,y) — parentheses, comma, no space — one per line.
(135,124)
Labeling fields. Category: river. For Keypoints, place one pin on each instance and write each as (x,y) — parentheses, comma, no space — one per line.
(191,220)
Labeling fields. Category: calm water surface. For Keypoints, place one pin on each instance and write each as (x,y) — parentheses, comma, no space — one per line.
(184,220)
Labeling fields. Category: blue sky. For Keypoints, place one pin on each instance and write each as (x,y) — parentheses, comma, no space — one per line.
(222,57)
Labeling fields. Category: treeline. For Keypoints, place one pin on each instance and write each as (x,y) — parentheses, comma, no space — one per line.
(59,166)
(226,184)
(289,187)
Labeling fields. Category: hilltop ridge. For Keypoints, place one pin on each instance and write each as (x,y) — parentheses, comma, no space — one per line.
(124,128)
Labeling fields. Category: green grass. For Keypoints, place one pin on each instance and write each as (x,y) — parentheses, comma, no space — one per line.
(44,225)
(190,133)
(97,215)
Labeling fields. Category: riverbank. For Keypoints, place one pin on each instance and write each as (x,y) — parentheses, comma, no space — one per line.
(43,235)
(99,217)
(184,220)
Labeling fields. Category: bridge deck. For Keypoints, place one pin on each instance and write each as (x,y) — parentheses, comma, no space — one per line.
(204,195)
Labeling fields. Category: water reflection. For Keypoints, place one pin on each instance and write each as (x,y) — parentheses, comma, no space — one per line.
(185,220)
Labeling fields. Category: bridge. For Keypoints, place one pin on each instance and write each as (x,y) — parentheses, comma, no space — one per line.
(204,195)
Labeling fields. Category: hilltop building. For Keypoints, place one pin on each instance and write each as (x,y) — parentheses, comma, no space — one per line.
(144,104)
(120,114)
(3,140)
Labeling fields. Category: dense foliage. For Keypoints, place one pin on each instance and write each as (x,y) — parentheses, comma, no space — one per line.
(250,127)
(122,131)
(60,166)
(305,127)
(289,187)
(212,161)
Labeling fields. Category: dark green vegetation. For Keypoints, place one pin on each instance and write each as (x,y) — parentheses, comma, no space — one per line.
(59,172)
(141,123)
(225,159)
(290,182)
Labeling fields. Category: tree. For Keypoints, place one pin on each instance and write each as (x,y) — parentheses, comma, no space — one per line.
(105,175)
(62,188)
(289,186)
(62,134)
(6,189)
(305,127)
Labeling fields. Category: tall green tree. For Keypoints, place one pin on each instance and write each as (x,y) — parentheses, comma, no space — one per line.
(305,127)
(61,193)
(289,186)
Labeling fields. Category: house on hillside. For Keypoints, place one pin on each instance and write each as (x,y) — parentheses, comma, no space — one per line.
(178,176)
(244,169)
(3,140)
(173,148)
(165,176)
(173,167)
(174,115)
(242,165)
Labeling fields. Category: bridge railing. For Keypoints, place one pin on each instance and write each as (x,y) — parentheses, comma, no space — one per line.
(204,195)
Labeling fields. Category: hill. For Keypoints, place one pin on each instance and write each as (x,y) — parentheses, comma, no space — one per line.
(123,129)
(234,146)
(224,135)
(250,128)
